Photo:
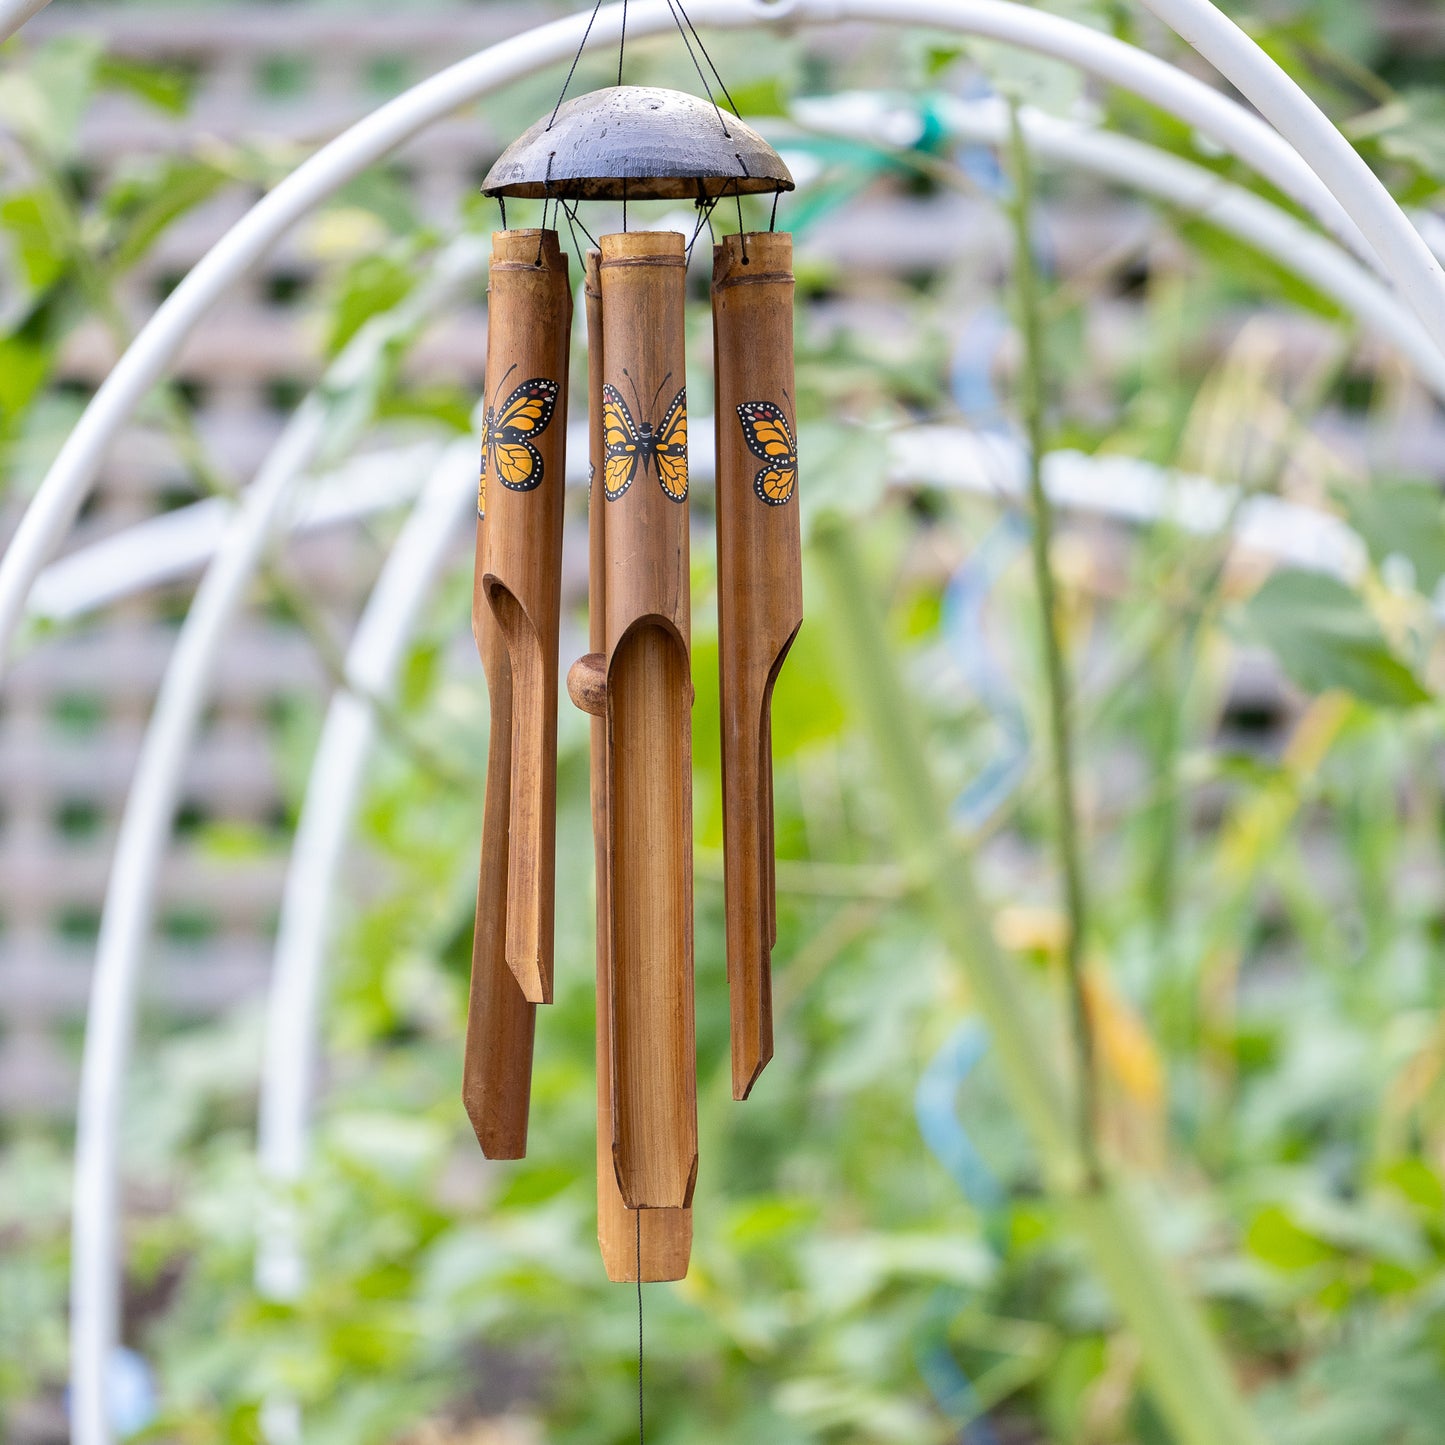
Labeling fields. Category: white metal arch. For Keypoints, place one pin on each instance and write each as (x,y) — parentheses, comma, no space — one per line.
(144,830)
(1405,258)
(145,361)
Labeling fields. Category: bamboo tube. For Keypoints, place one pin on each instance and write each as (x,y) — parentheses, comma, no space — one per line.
(649,735)
(529,322)
(497,1072)
(760,604)
(665,1239)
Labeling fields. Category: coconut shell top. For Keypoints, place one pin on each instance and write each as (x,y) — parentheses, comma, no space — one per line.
(637,143)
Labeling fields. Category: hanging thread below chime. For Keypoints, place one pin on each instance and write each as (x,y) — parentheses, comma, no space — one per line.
(631,144)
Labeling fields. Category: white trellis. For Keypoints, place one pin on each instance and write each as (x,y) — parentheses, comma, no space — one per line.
(1298,151)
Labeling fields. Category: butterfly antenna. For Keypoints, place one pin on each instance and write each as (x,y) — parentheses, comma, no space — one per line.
(635,397)
(502,383)
(658,392)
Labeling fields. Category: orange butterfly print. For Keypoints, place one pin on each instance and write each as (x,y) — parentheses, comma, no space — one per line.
(769,437)
(507,435)
(632,446)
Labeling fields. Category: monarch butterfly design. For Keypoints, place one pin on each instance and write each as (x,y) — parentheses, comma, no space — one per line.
(769,437)
(631,446)
(507,433)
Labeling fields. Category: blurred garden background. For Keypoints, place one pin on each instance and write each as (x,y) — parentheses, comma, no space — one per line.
(1228,934)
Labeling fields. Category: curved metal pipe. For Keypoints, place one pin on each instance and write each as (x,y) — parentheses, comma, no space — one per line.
(71,475)
(144,830)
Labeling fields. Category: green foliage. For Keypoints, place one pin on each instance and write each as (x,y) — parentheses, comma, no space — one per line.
(1264,952)
(1324,637)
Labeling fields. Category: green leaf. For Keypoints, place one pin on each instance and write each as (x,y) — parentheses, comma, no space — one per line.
(161,86)
(45,102)
(1325,638)
(24,215)
(1411,128)
(142,204)
(1402,519)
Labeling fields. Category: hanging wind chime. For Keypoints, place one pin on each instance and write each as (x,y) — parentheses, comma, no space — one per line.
(631,144)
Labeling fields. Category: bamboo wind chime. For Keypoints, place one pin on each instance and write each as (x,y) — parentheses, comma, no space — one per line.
(630,144)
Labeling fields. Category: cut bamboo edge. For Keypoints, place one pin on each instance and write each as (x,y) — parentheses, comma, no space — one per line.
(760,604)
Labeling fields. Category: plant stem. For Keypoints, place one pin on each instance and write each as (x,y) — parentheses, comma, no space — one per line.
(1188,1374)
(1061,743)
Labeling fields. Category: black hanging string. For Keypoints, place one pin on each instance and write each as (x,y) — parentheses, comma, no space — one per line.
(687,45)
(621,42)
(562,94)
(572,230)
(705,210)
(722,85)
(624,204)
(502,202)
(773,219)
(641,1422)
(573,217)
(742,234)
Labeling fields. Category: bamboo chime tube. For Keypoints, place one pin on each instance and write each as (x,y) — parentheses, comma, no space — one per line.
(662,1237)
(497,1073)
(528,332)
(647,637)
(760,603)
(497,1069)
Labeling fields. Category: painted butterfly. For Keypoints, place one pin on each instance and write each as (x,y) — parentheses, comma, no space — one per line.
(771,438)
(507,432)
(631,447)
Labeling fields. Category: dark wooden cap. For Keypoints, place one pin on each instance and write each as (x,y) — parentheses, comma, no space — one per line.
(637,143)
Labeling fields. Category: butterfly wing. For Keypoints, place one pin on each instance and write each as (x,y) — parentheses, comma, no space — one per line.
(528,410)
(524,414)
(519,465)
(769,437)
(621,450)
(775,484)
(671,449)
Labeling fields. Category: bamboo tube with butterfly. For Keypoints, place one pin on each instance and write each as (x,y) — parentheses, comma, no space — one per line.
(760,604)
(523,456)
(653,1244)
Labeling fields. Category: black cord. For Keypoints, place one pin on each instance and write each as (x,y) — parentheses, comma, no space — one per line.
(641,1421)
(773,219)
(572,216)
(732,104)
(687,45)
(624,202)
(705,208)
(502,202)
(621,42)
(562,94)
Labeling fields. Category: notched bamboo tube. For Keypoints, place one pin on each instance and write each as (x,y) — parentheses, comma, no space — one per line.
(760,604)
(529,319)
(663,1237)
(501,1023)
(649,740)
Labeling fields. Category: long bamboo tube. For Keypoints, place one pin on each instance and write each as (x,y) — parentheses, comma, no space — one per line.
(529,319)
(665,1239)
(760,604)
(501,1023)
(649,733)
